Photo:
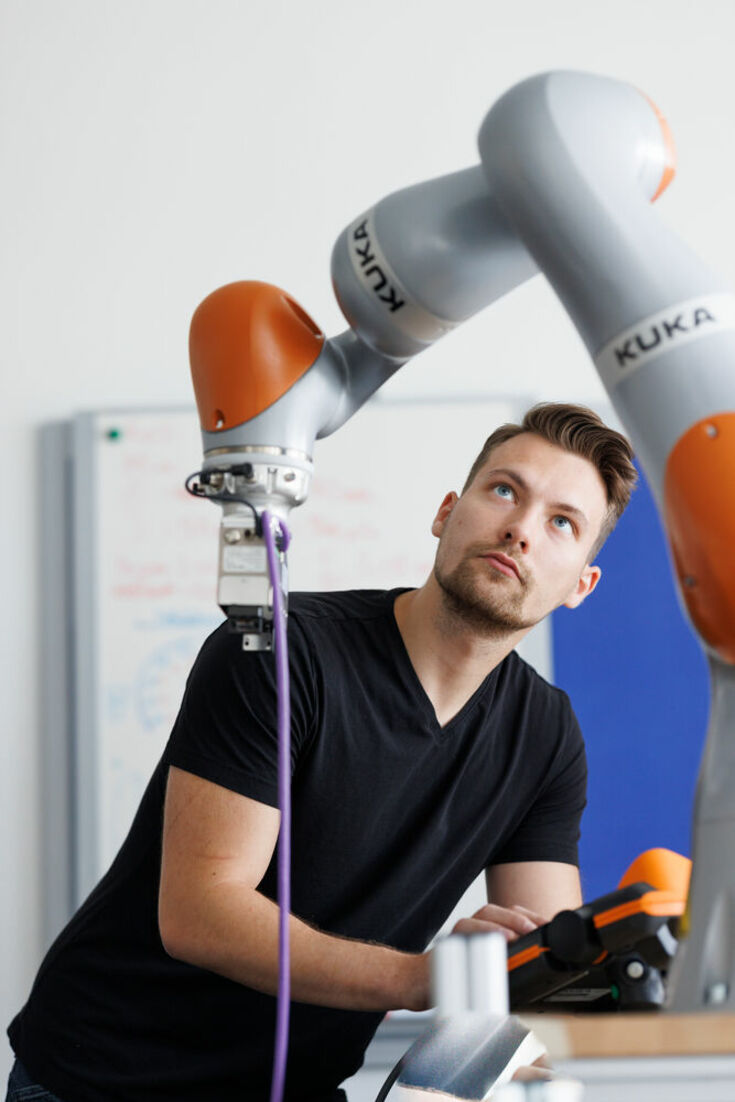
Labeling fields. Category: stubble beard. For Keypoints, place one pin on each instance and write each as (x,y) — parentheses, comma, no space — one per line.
(495,611)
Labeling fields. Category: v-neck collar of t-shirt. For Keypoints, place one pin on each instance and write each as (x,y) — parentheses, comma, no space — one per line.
(413,683)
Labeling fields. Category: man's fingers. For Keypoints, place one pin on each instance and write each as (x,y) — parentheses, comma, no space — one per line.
(511,922)
(540,920)
(477,926)
(531,1073)
(509,917)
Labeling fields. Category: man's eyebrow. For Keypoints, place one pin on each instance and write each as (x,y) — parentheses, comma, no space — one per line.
(511,474)
(562,506)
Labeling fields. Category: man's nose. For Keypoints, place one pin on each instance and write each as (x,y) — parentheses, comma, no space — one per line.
(517,531)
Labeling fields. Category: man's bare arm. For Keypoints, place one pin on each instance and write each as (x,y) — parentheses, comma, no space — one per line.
(541,887)
(217,846)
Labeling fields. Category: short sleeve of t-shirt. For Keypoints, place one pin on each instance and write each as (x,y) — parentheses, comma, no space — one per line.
(550,830)
(227,727)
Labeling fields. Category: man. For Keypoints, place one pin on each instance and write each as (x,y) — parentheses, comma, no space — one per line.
(424,750)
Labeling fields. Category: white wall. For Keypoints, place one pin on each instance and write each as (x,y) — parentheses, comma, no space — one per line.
(155,149)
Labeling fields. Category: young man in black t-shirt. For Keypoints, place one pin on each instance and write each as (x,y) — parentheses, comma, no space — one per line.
(423,751)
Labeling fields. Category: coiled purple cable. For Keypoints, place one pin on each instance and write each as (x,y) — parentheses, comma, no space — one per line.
(280,644)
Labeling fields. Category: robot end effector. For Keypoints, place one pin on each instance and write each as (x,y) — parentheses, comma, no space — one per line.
(268,384)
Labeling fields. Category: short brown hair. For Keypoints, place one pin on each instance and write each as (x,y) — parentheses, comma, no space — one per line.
(579,430)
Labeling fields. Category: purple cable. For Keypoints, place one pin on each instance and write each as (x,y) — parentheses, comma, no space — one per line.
(280,645)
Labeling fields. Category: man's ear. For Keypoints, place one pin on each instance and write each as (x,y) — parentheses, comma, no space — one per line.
(586,582)
(437,525)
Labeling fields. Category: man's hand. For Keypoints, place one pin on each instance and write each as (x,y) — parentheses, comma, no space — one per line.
(512,922)
(539,1069)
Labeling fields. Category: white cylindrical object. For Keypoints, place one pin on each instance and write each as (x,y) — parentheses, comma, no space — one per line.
(449,976)
(487,965)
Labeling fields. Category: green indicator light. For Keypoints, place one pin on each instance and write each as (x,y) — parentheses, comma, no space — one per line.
(615,991)
(114,434)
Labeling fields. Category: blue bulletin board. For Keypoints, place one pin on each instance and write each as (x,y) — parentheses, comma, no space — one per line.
(638,680)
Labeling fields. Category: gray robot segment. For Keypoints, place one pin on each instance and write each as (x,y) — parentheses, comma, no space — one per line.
(434,253)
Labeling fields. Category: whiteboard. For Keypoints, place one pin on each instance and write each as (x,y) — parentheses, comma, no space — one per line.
(144,570)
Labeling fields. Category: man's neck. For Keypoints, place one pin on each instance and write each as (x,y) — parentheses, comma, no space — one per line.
(451,657)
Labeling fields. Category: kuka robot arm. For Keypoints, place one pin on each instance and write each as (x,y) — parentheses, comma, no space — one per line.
(570,163)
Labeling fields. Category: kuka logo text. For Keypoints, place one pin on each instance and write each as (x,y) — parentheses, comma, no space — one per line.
(380,280)
(641,343)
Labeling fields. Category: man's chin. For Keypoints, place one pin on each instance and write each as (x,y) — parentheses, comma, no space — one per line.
(481,613)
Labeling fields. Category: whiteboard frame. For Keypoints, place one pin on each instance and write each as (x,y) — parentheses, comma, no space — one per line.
(56,675)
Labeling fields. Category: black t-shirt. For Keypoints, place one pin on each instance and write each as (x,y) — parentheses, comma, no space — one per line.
(393,817)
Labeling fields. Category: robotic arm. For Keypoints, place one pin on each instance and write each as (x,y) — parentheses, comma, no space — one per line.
(570,163)
(267,381)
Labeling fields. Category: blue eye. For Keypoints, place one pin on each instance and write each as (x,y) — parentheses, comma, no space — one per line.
(564,526)
(503,486)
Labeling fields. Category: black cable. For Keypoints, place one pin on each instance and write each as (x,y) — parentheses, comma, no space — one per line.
(199,492)
(383,1092)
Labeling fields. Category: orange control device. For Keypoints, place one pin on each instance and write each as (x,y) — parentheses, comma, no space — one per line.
(612,953)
